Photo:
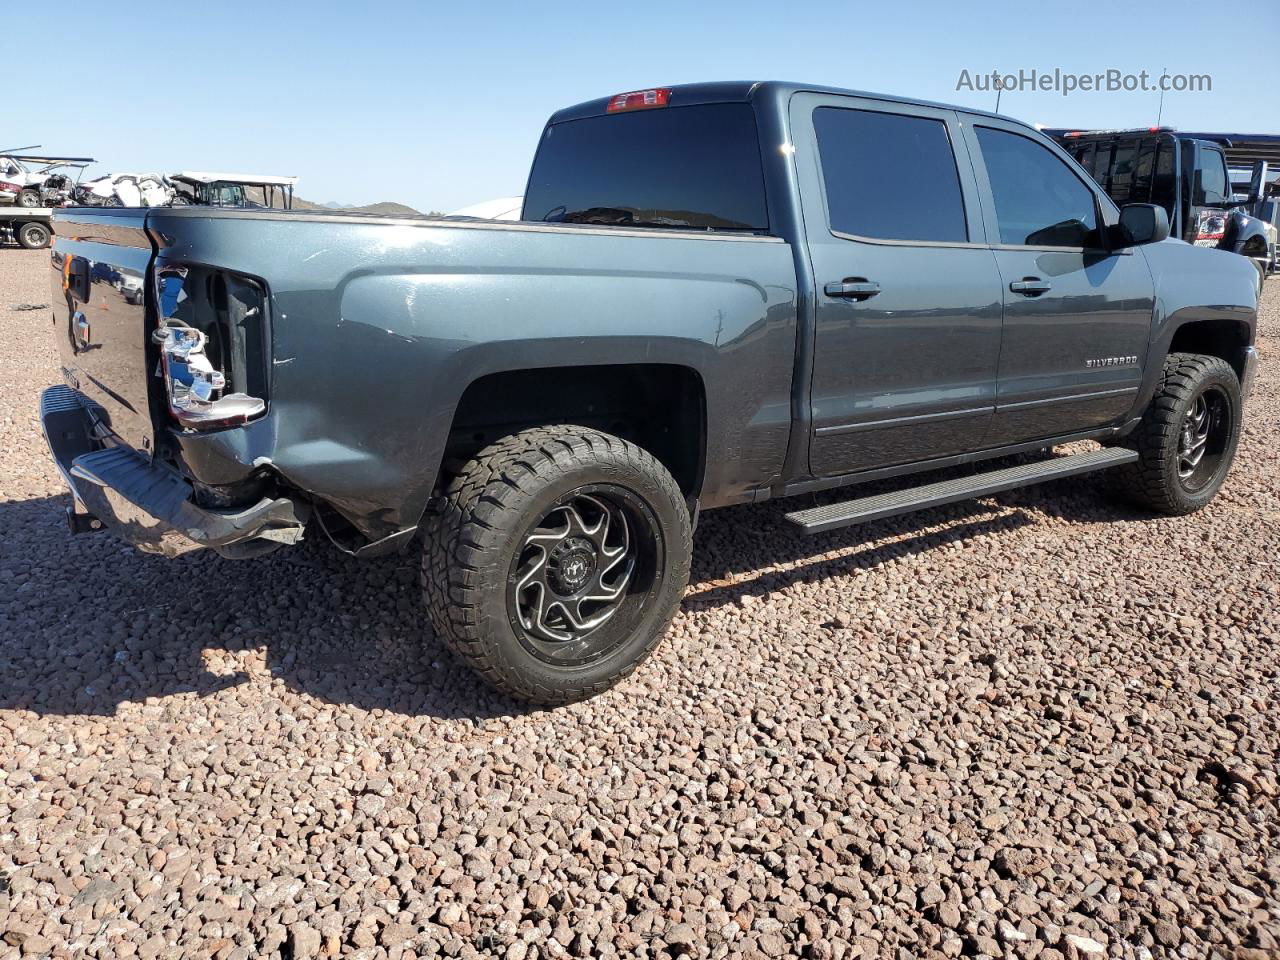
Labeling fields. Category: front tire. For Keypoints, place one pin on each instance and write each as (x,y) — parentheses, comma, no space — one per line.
(1187,438)
(557,562)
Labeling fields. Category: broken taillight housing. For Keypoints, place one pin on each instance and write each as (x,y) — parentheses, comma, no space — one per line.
(194,388)
(1211,227)
(213,343)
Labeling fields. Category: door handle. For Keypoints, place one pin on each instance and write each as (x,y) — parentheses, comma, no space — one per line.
(1030,286)
(854,288)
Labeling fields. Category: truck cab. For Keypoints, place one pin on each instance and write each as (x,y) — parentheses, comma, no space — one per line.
(1186,175)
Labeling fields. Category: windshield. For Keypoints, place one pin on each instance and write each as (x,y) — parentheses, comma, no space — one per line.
(686,167)
(226,195)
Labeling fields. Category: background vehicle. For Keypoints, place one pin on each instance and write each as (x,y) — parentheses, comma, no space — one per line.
(228,189)
(552,402)
(126,190)
(1184,174)
(30,228)
(31,172)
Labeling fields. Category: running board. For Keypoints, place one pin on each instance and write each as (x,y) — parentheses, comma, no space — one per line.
(836,515)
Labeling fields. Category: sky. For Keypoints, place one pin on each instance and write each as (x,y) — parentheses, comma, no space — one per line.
(441,105)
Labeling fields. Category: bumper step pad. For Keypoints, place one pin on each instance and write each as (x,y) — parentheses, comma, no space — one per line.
(150,505)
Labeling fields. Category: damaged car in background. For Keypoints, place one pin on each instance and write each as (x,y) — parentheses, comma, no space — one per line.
(33,180)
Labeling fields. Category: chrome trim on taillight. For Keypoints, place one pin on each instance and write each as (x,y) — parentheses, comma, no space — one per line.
(192,385)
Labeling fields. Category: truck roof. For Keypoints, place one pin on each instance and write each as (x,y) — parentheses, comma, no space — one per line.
(1240,148)
(730,91)
(248,179)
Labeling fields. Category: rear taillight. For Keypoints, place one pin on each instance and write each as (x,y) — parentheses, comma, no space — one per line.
(194,388)
(1211,227)
(640,100)
(213,345)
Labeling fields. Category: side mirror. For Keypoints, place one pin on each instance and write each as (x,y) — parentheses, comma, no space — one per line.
(1142,223)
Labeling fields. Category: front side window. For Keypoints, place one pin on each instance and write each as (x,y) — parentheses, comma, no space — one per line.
(1039,201)
(1214,189)
(695,167)
(890,176)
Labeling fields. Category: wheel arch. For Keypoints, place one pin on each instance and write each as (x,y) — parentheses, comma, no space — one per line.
(1226,338)
(661,407)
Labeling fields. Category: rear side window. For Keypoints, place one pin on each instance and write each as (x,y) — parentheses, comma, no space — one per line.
(1143,172)
(890,176)
(1100,168)
(1120,182)
(1164,187)
(1084,155)
(1039,201)
(677,167)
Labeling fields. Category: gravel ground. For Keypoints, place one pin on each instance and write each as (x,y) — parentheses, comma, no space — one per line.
(1041,725)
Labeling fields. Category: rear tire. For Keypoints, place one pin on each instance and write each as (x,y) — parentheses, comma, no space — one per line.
(29,199)
(1187,438)
(557,562)
(33,236)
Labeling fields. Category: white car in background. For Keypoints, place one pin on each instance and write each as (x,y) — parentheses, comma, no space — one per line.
(128,190)
(504,208)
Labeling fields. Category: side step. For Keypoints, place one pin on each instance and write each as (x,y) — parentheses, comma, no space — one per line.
(836,515)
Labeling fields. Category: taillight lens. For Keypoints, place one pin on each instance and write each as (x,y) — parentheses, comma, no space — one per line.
(1211,227)
(640,100)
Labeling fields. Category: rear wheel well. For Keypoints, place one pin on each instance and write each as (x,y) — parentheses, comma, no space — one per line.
(1215,338)
(659,407)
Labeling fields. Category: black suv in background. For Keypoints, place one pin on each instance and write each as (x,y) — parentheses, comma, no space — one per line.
(1185,175)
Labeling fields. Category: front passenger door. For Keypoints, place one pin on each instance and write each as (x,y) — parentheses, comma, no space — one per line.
(1077,316)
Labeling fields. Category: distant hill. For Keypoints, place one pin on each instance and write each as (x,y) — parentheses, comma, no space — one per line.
(386,208)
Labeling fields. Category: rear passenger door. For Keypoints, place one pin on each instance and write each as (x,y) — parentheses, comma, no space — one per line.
(907,294)
(1077,317)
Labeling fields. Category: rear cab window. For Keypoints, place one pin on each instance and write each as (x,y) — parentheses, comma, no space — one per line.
(696,167)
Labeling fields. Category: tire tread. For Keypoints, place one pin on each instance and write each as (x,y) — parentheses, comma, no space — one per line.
(1147,480)
(482,500)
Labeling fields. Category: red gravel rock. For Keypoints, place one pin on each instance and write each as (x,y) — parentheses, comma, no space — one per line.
(1042,715)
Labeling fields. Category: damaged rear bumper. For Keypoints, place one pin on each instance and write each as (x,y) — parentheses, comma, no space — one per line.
(148,504)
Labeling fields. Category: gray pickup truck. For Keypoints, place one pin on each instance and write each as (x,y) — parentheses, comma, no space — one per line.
(717,294)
